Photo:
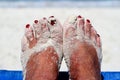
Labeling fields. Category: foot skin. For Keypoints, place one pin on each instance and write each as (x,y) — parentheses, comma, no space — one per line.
(82,49)
(42,49)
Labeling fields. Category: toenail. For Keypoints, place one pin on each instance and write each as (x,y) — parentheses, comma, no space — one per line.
(51,16)
(28,25)
(88,20)
(98,35)
(36,21)
(44,18)
(52,22)
(79,16)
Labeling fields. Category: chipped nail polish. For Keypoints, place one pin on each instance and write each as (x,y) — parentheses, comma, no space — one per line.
(36,21)
(52,22)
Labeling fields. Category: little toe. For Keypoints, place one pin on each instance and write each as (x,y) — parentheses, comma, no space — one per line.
(29,32)
(28,40)
(93,35)
(24,44)
(99,40)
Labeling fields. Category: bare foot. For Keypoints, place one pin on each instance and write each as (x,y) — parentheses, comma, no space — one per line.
(42,50)
(82,49)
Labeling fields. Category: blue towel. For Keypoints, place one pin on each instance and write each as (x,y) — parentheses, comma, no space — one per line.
(17,75)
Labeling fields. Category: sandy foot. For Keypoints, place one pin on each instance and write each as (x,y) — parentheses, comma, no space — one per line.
(42,49)
(82,49)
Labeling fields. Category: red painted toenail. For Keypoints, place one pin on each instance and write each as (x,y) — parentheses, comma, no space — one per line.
(52,22)
(88,20)
(98,35)
(79,16)
(44,18)
(28,25)
(36,21)
(51,16)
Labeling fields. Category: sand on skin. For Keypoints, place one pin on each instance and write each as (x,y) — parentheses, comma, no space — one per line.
(13,20)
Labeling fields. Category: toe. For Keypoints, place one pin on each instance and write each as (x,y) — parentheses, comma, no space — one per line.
(29,32)
(44,27)
(88,28)
(93,35)
(71,22)
(70,32)
(56,29)
(41,29)
(37,29)
(98,40)
(24,44)
(28,38)
(80,22)
(43,23)
(80,26)
(70,27)
(52,21)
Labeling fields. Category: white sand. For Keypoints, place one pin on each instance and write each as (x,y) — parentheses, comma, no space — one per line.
(12,22)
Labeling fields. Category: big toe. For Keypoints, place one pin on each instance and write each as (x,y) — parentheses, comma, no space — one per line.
(56,29)
(70,27)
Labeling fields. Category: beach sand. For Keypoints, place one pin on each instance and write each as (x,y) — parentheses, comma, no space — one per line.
(13,20)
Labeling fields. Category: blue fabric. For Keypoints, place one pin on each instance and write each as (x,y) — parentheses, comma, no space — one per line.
(10,75)
(17,75)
